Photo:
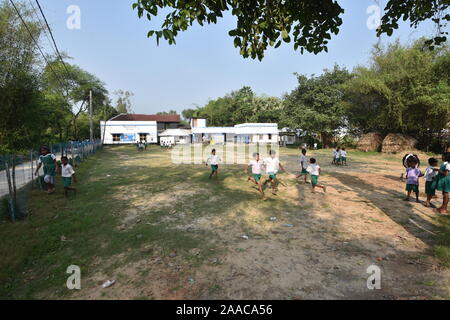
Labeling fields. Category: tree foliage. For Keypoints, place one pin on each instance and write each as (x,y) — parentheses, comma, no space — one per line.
(406,89)
(315,106)
(308,24)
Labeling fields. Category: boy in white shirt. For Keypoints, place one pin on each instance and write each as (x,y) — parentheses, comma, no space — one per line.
(337,160)
(303,165)
(213,160)
(272,165)
(257,166)
(343,156)
(67,174)
(314,171)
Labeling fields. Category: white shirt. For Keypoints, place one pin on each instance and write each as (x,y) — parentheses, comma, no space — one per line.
(429,174)
(334,152)
(67,171)
(303,159)
(213,160)
(272,165)
(343,153)
(256,166)
(338,154)
(313,169)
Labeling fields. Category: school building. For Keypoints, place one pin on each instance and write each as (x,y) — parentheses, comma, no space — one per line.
(131,128)
(248,133)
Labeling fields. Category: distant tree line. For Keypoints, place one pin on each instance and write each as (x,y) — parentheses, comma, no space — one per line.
(403,89)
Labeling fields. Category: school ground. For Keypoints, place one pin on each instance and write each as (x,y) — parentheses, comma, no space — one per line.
(164,231)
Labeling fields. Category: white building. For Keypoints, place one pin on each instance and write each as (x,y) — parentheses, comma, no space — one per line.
(241,133)
(175,136)
(131,128)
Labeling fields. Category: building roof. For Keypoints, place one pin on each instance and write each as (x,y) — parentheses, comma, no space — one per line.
(147,117)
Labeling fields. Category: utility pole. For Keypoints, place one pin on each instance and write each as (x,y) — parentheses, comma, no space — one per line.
(90,116)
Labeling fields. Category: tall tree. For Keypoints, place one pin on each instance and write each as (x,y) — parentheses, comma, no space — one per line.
(315,106)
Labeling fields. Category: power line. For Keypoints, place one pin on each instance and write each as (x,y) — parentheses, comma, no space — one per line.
(53,38)
(35,42)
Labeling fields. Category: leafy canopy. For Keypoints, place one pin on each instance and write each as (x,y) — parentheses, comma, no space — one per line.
(308,24)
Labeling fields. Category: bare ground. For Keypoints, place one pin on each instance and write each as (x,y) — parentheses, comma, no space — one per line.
(335,237)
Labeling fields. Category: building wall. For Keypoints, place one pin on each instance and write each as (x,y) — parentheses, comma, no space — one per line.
(129,131)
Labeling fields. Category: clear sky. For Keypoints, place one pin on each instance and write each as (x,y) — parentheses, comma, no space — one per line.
(112,44)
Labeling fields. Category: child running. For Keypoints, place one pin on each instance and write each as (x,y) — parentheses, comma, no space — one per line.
(303,165)
(337,160)
(443,183)
(213,160)
(272,165)
(343,157)
(257,166)
(50,166)
(314,170)
(412,179)
(430,180)
(67,174)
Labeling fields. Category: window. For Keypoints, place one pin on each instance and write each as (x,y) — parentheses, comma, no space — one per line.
(143,137)
(270,136)
(116,137)
(261,137)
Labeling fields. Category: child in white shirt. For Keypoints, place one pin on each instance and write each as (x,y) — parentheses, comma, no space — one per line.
(343,156)
(213,160)
(430,180)
(303,165)
(272,165)
(314,170)
(67,174)
(257,166)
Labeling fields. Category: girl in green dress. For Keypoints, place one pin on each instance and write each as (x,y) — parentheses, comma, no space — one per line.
(443,182)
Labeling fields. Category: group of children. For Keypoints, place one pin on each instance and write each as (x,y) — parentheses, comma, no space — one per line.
(271,165)
(48,161)
(339,157)
(436,178)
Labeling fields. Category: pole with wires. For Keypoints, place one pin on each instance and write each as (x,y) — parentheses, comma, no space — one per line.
(90,117)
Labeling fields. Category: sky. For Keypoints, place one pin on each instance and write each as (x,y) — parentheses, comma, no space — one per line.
(112,44)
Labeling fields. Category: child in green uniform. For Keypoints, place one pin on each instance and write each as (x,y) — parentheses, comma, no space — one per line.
(314,170)
(443,183)
(257,165)
(430,180)
(213,160)
(303,165)
(67,174)
(50,166)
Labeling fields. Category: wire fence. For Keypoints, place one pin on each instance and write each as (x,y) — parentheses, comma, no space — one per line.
(25,167)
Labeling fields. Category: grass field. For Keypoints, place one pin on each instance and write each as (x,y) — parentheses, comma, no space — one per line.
(165,231)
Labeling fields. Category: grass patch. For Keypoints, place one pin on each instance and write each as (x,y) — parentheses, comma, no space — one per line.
(442,246)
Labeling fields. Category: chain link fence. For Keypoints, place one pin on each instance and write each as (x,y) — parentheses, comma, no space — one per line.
(25,167)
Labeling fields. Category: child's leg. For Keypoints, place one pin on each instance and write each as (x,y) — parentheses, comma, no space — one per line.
(322,187)
(408,195)
(417,196)
(445,198)
(428,201)
(260,187)
(66,192)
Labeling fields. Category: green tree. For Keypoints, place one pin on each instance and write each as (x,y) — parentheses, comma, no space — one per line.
(309,24)
(405,89)
(315,106)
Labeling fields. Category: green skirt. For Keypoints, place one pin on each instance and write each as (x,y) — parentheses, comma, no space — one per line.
(214,167)
(67,181)
(430,188)
(314,180)
(257,177)
(443,183)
